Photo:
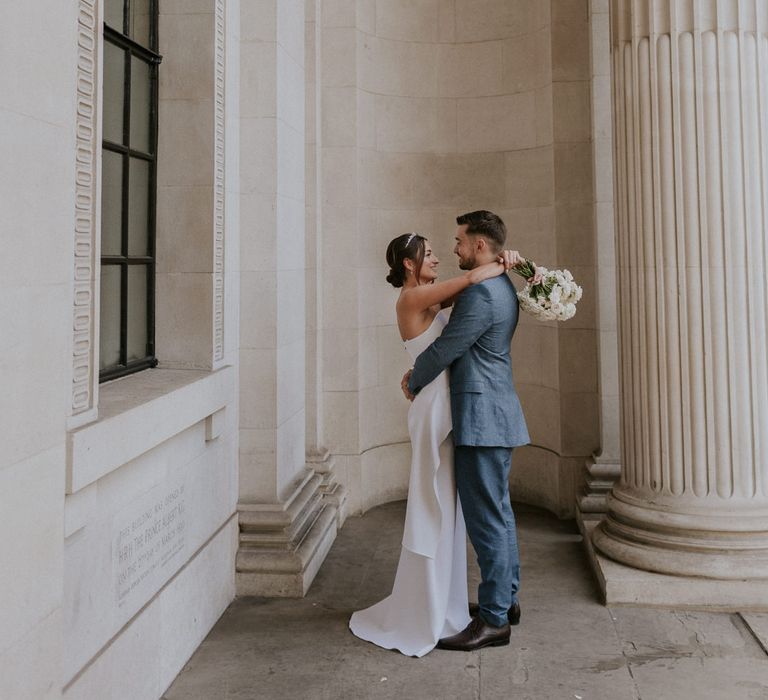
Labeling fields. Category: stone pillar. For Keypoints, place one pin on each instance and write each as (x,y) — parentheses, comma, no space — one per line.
(287,524)
(690,106)
(602,469)
(319,457)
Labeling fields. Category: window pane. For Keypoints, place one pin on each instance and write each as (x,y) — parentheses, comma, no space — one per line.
(113,14)
(111,202)
(109,335)
(138,207)
(140,104)
(114,86)
(139,22)
(137,312)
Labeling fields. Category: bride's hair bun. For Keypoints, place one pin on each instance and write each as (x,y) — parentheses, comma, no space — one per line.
(409,245)
(396,279)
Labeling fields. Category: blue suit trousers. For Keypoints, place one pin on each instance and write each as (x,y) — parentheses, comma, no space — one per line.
(482,480)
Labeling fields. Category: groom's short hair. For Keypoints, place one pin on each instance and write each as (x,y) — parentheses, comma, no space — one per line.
(486,224)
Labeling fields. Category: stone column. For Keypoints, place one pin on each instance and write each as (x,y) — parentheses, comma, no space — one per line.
(690,91)
(319,457)
(602,469)
(287,525)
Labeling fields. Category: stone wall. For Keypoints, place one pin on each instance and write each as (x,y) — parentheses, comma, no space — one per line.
(118,499)
(448,107)
(37,121)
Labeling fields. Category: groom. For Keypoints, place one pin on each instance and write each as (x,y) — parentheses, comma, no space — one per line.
(487,423)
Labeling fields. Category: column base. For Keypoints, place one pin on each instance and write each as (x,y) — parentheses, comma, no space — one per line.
(335,493)
(599,479)
(283,545)
(624,585)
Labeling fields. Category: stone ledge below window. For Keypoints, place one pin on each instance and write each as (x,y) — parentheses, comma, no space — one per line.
(137,413)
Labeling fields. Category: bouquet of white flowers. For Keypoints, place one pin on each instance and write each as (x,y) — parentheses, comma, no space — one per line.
(553,298)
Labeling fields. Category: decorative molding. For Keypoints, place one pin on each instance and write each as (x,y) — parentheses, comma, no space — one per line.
(84,293)
(218,188)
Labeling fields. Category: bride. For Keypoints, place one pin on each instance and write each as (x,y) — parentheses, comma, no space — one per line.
(429,596)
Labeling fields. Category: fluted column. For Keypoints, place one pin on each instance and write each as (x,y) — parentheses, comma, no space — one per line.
(690,101)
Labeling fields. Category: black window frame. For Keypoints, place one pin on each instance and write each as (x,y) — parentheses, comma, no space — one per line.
(150,55)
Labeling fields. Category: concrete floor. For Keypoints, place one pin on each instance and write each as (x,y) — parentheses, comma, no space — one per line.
(568,645)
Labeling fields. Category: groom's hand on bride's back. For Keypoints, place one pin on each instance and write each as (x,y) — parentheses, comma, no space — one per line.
(404,385)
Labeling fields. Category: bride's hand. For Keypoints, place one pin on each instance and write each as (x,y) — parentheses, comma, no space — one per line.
(535,279)
(510,259)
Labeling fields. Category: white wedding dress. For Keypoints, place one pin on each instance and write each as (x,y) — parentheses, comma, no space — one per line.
(429,596)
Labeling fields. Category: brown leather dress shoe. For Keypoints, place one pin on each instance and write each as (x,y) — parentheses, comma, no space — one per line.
(513,615)
(476,635)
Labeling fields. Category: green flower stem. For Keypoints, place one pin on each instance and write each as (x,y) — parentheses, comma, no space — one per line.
(527,269)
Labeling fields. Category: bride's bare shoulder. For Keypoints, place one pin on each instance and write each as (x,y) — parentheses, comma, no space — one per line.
(412,322)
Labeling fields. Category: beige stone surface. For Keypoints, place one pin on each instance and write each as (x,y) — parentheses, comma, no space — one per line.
(170,401)
(414,125)
(259,59)
(758,625)
(98,602)
(342,421)
(495,124)
(383,416)
(162,638)
(571,107)
(290,369)
(258,321)
(290,28)
(35,524)
(527,61)
(291,456)
(570,47)
(258,135)
(567,644)
(34,363)
(186,130)
(257,449)
(24,676)
(258,216)
(27,143)
(481,20)
(188,55)
(530,178)
(184,226)
(338,116)
(37,128)
(337,69)
(408,21)
(386,67)
(624,585)
(339,13)
(471,69)
(184,331)
(384,474)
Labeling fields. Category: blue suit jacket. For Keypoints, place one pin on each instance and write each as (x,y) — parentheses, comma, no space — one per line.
(475,346)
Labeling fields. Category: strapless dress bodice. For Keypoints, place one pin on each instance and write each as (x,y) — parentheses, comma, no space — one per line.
(416,346)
